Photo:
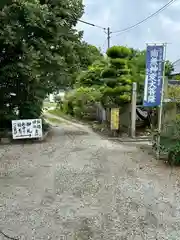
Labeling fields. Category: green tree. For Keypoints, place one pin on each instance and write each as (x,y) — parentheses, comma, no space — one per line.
(116,77)
(137,65)
(119,52)
(88,55)
(38,47)
(168,68)
(81,102)
(92,76)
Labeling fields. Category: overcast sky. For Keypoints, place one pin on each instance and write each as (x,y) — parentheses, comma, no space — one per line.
(119,14)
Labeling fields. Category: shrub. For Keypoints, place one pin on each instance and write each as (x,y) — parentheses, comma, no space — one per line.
(177,77)
(125,98)
(81,103)
(108,73)
(119,52)
(174,92)
(68,102)
(119,63)
(174,155)
(110,82)
(89,77)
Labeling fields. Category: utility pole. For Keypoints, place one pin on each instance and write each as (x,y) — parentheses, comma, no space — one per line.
(108,36)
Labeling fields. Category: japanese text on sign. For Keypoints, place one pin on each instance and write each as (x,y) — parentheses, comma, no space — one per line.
(27,128)
(114,118)
(154,75)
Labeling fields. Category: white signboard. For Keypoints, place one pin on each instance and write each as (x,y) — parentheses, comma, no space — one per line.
(27,128)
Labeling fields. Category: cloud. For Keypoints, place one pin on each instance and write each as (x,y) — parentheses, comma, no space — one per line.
(168,23)
(119,14)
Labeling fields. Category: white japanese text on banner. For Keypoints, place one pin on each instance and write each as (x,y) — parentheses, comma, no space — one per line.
(154,75)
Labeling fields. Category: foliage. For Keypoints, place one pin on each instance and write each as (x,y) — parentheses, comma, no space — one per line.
(113,76)
(89,77)
(169,141)
(174,155)
(173,146)
(39,50)
(88,55)
(108,72)
(168,68)
(138,63)
(177,77)
(119,52)
(92,75)
(68,102)
(118,63)
(138,70)
(116,77)
(54,120)
(137,66)
(174,92)
(81,102)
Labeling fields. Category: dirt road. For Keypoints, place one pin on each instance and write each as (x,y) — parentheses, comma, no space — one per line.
(78,186)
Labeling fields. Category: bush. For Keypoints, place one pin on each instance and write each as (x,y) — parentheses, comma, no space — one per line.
(119,63)
(110,82)
(177,77)
(89,77)
(68,102)
(124,71)
(108,73)
(81,103)
(119,52)
(122,89)
(125,98)
(174,92)
(174,155)
(125,80)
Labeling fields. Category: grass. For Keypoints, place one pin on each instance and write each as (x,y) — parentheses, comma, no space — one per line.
(54,120)
(48,105)
(56,112)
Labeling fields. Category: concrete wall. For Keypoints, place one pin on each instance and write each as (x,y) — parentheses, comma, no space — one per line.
(125,116)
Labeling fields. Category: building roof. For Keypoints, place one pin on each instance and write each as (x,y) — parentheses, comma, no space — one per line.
(176,66)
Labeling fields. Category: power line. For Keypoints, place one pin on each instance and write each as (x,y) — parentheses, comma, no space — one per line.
(176,61)
(130,27)
(106,30)
(147,18)
(92,24)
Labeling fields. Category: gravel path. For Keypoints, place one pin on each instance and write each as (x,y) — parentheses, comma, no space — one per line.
(78,186)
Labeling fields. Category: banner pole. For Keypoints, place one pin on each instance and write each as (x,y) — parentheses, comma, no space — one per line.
(133,109)
(160,108)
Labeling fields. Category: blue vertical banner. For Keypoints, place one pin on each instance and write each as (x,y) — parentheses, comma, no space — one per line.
(154,75)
